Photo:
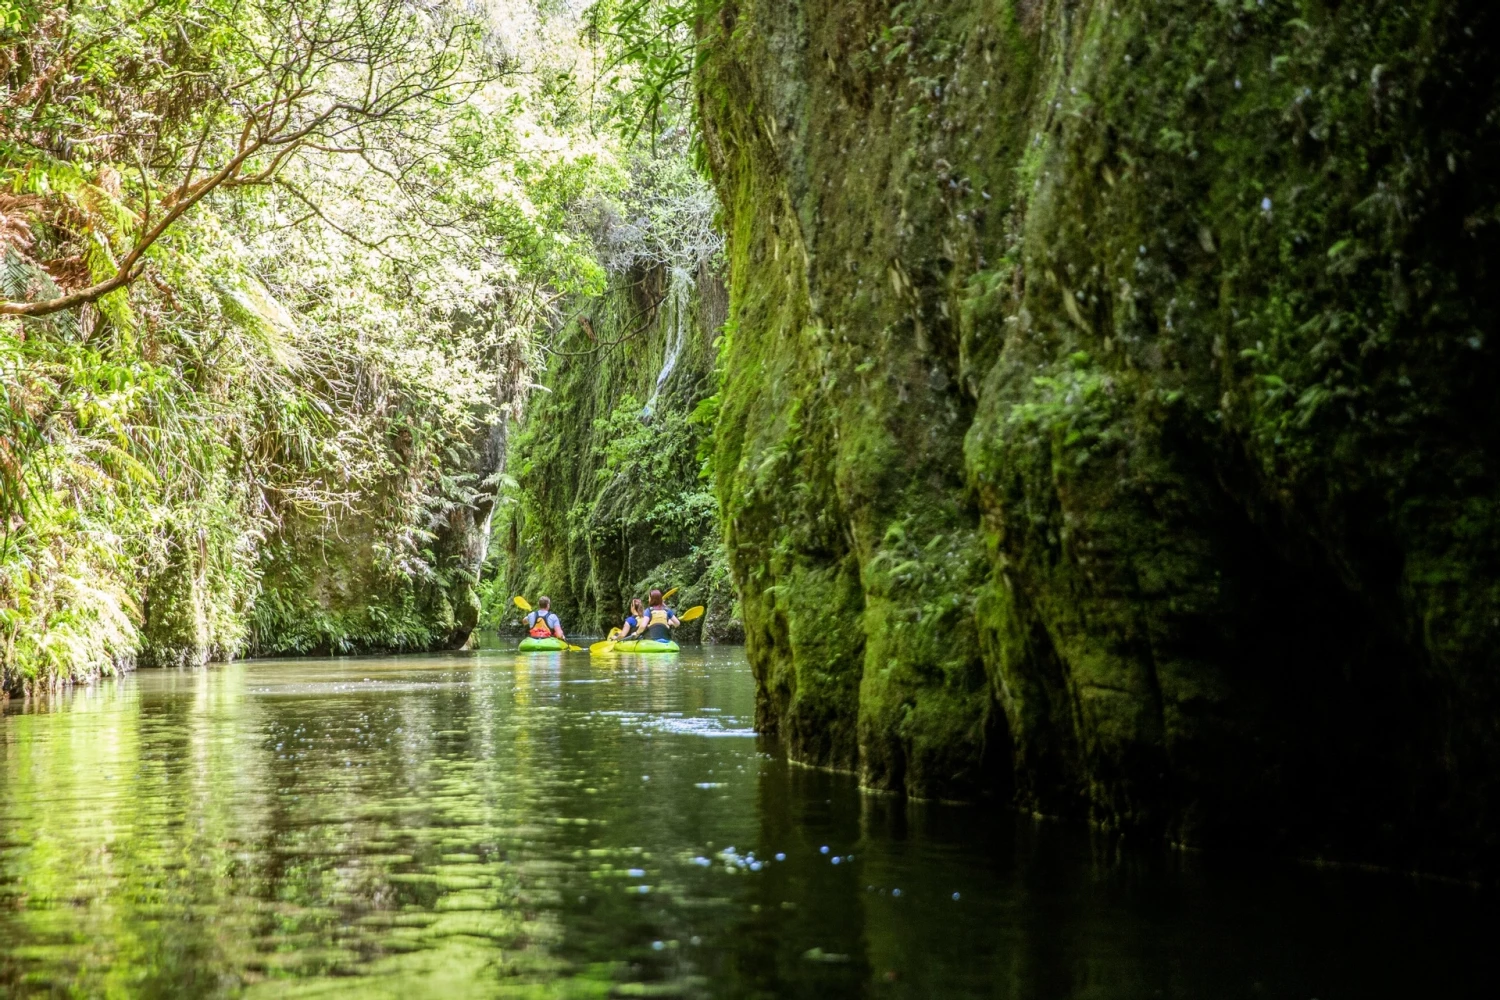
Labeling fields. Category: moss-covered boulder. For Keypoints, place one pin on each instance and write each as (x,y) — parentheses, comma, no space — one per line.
(1110,412)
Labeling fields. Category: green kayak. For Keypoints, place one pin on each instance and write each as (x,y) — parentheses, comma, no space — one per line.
(530,645)
(647,646)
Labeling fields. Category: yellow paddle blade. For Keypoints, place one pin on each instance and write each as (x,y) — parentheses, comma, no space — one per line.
(606,646)
(691,613)
(574,649)
(668,595)
(522,603)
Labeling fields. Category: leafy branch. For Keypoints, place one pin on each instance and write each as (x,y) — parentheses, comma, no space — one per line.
(651,51)
(273,77)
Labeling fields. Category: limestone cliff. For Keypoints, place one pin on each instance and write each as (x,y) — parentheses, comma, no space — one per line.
(609,497)
(379,578)
(1110,406)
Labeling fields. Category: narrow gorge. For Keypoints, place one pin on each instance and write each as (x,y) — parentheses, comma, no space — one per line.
(1081,406)
(749,499)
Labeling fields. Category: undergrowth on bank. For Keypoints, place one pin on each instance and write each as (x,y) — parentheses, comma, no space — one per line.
(275,275)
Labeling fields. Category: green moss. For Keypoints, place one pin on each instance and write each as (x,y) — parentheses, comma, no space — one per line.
(841,436)
(611,496)
(177,628)
(1136,359)
(340,593)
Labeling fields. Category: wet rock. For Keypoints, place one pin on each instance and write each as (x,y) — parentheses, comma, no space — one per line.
(1198,542)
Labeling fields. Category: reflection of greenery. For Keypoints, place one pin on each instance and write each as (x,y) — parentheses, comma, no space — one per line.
(453,828)
(183,837)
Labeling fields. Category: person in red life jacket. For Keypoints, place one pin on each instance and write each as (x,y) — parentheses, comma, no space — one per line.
(542,623)
(658,621)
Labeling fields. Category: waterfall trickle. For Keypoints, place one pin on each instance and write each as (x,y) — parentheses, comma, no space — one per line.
(678,315)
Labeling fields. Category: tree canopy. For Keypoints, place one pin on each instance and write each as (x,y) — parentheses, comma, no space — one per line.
(263,260)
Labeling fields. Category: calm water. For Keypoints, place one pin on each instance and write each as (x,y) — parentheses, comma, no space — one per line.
(487,825)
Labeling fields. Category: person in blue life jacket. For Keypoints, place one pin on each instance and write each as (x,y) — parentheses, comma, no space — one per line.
(658,621)
(632,620)
(542,623)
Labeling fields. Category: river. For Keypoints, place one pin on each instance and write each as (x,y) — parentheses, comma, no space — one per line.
(494,825)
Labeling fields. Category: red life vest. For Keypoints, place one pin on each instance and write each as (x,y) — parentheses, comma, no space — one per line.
(539,627)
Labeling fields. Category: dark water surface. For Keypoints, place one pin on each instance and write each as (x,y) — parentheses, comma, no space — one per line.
(493,825)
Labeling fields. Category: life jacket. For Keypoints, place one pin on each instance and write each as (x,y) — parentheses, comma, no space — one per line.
(656,624)
(539,627)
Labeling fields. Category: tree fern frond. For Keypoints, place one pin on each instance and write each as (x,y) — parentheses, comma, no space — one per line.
(252,307)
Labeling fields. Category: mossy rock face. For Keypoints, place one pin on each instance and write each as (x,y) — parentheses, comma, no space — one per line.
(192,607)
(177,631)
(609,500)
(336,593)
(1109,414)
(354,584)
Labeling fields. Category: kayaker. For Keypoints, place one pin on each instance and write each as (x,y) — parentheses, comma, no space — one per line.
(542,623)
(658,621)
(632,620)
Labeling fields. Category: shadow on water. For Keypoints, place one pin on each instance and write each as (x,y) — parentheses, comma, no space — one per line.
(550,825)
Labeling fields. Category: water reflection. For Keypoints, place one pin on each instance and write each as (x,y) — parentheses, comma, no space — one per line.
(493,825)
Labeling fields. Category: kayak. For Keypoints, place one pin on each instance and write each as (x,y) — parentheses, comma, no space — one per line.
(647,646)
(530,645)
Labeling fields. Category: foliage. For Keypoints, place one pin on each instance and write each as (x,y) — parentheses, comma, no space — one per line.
(669,500)
(279,272)
(308,363)
(665,218)
(643,53)
(650,53)
(181,101)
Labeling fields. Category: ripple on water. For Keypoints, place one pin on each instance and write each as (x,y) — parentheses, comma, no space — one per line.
(498,826)
(683,725)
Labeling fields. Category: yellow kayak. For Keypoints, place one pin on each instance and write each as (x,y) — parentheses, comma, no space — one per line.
(646,646)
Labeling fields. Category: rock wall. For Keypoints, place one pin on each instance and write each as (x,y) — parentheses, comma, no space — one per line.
(1109,416)
(360,583)
(609,497)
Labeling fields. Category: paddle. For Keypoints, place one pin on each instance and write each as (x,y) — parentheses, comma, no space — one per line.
(691,613)
(605,645)
(668,595)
